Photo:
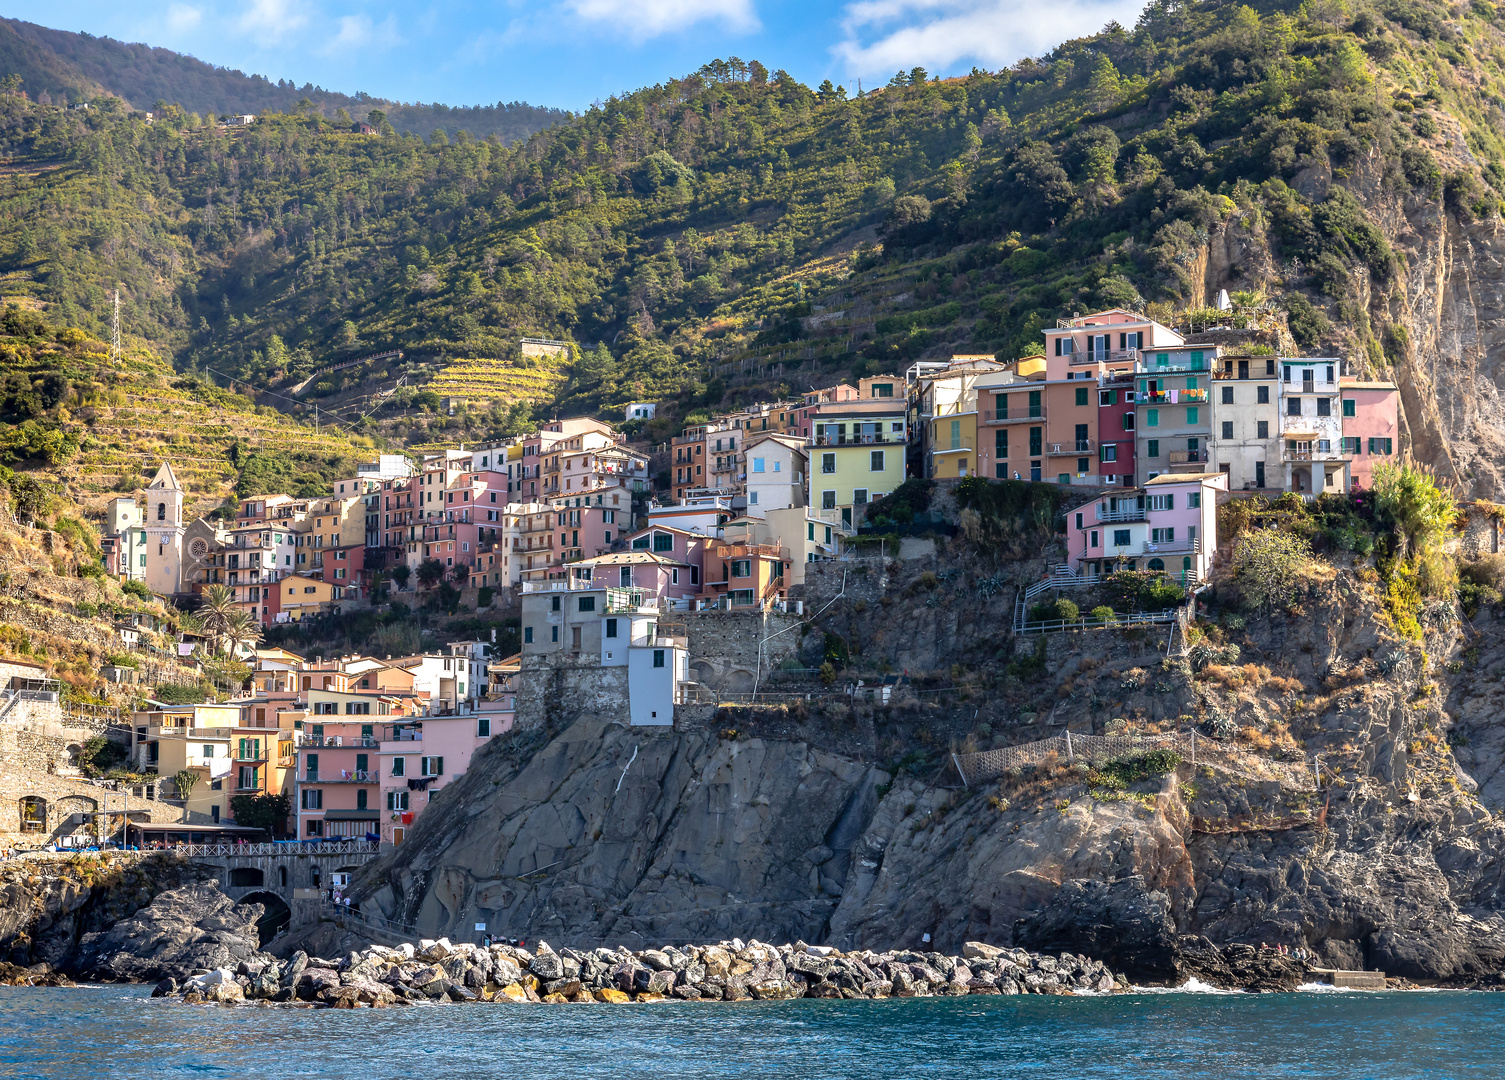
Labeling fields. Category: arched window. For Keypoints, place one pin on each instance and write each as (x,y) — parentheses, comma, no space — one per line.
(1157,565)
(161,511)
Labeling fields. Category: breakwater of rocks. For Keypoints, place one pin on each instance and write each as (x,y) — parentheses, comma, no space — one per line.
(439,972)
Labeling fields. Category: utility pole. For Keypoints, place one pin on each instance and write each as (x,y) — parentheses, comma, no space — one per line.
(115,330)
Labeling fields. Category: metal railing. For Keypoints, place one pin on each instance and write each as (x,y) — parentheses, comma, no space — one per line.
(1104,356)
(1006,416)
(1120,516)
(1173,547)
(1171,397)
(886,439)
(277,847)
(346,776)
(1079,446)
(1187,457)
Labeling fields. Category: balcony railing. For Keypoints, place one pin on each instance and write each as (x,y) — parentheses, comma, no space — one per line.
(1312,455)
(1112,517)
(1169,368)
(344,776)
(1013,416)
(1109,356)
(1187,457)
(661,641)
(363,741)
(1078,446)
(887,438)
(1171,397)
(1172,547)
(567,585)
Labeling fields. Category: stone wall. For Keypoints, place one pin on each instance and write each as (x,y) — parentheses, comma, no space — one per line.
(725,646)
(63,797)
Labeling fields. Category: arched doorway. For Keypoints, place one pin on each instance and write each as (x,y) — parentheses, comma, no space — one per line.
(245,876)
(1156,565)
(33,814)
(275,916)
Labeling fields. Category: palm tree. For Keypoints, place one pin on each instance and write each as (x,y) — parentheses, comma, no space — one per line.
(216,612)
(243,629)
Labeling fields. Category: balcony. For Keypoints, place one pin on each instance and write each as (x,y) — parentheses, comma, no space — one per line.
(1117,517)
(1171,397)
(1288,454)
(1014,416)
(1079,446)
(344,776)
(1110,356)
(1173,547)
(1142,368)
(1187,457)
(888,438)
(567,585)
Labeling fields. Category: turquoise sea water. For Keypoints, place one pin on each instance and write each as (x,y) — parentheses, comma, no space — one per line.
(119,1032)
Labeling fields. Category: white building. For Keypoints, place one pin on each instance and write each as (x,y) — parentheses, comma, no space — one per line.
(1311,424)
(444,678)
(1246,424)
(640,410)
(776,466)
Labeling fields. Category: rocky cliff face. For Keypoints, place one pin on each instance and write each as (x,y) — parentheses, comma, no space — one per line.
(811,821)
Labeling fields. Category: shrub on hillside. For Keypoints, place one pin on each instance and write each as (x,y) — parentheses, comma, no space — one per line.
(1268,567)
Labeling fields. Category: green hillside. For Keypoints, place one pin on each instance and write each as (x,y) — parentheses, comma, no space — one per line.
(737,229)
(60,67)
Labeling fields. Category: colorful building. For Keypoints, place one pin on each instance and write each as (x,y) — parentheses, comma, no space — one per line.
(1371,427)
(1169,525)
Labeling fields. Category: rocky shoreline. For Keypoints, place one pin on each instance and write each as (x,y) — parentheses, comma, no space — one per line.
(441,972)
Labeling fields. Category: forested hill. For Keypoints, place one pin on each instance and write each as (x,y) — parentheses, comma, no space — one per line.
(61,67)
(1339,163)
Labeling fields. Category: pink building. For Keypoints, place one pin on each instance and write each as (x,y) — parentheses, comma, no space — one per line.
(336,775)
(1371,427)
(678,546)
(1169,525)
(658,577)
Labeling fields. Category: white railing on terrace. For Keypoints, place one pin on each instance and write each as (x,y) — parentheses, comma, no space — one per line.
(567,585)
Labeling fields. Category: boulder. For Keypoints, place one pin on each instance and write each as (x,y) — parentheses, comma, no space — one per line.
(567,987)
(977,950)
(547,966)
(513,992)
(165,988)
(181,931)
(610,995)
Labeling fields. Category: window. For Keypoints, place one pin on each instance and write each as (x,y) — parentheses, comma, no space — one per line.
(399,766)
(1109,452)
(658,657)
(741,568)
(433,766)
(1036,440)
(313,798)
(483,727)
(640,543)
(1092,538)
(1152,418)
(1161,502)
(1293,406)
(1262,429)
(1128,421)
(1163,536)
(1152,448)
(1227,395)
(1079,522)
(1351,445)
(828,463)
(611,628)
(360,798)
(1194,500)
(1191,415)
(1285,372)
(828,500)
(1259,474)
(757,464)
(527,635)
(1227,429)
(554,634)
(1081,395)
(397,800)
(587,603)
(1121,538)
(209,751)
(1380,446)
(1324,406)
(1350,407)
(663,541)
(1107,397)
(1001,444)
(553,603)
(316,827)
(875,458)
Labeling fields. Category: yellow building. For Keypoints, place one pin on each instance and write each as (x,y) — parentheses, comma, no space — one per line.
(953,440)
(856,455)
(196,739)
(302,595)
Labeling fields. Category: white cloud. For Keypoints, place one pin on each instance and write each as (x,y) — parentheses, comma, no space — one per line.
(359,32)
(642,19)
(884,36)
(181,17)
(269,21)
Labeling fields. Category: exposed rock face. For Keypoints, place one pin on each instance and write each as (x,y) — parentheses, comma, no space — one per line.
(1394,865)
(180,932)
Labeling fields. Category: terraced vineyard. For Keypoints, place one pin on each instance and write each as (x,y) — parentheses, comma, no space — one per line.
(488,381)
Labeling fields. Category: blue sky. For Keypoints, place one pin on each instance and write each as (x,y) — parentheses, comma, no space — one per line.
(567,53)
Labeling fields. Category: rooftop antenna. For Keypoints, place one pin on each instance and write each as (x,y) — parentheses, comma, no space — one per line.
(115,329)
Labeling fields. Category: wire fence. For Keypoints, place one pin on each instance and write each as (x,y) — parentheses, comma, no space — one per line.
(1096,749)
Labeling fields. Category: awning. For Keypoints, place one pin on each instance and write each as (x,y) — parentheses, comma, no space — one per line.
(180,826)
(351,815)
